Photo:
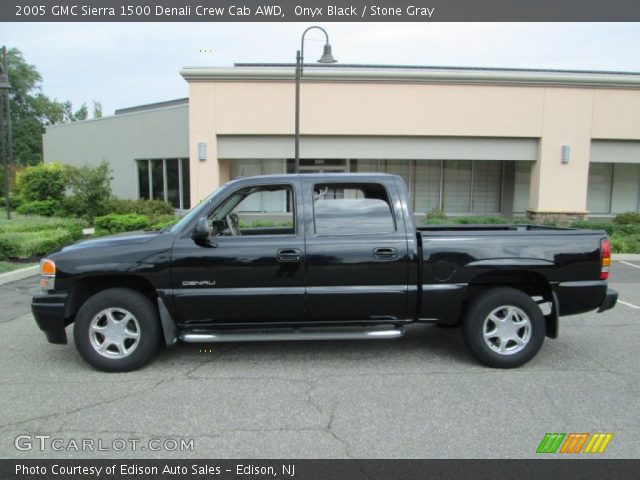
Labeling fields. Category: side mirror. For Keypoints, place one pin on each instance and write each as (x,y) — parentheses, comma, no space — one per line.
(201,231)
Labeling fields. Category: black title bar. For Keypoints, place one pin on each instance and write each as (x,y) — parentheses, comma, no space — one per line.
(319,469)
(319,11)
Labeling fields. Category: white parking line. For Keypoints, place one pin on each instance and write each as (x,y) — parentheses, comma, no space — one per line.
(630,264)
(629,304)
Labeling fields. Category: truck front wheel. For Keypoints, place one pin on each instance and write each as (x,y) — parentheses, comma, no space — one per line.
(503,328)
(117,330)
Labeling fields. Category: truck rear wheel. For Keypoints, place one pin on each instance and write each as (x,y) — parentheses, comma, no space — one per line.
(504,328)
(117,330)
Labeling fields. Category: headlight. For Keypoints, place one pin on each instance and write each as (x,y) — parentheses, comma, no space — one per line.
(47,274)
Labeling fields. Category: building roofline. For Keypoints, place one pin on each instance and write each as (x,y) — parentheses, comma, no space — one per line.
(415,74)
(116,116)
(375,66)
(152,106)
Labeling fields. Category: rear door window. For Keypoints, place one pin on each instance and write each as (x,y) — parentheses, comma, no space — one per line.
(352,209)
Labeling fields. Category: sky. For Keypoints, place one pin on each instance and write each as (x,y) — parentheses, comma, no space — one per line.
(127,64)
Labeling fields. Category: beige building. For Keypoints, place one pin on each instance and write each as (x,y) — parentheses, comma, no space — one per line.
(466,141)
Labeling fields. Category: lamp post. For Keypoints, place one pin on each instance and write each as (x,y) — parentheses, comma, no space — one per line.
(5,86)
(326,57)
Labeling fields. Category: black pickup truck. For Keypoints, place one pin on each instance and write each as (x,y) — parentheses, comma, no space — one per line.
(341,258)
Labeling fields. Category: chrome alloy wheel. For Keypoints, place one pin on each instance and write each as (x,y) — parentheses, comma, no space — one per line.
(114,333)
(507,330)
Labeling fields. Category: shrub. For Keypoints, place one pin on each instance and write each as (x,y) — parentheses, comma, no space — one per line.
(265,224)
(523,221)
(589,225)
(25,237)
(163,221)
(621,243)
(628,229)
(627,218)
(36,224)
(466,220)
(8,248)
(41,243)
(46,208)
(115,223)
(45,181)
(15,201)
(483,220)
(435,213)
(435,221)
(151,208)
(24,245)
(91,187)
(72,206)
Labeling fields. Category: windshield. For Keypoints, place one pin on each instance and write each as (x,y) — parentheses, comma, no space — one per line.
(197,211)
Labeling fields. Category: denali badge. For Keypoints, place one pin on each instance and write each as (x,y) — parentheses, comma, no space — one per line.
(198,283)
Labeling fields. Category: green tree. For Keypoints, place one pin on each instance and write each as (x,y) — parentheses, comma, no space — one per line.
(70,116)
(97,109)
(31,109)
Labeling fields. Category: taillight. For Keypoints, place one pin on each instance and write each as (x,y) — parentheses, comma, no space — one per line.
(605,258)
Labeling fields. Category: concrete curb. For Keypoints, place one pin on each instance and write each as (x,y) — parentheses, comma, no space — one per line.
(19,274)
(626,256)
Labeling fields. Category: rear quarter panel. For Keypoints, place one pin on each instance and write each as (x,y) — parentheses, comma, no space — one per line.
(453,262)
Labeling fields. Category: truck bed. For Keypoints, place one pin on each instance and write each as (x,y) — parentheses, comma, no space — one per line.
(459,258)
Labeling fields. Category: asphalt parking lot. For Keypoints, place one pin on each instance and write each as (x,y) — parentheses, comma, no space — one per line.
(422,396)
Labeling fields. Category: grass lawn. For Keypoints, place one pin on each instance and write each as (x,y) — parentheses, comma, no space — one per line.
(11,266)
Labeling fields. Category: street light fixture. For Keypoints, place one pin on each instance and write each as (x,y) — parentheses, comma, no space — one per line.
(326,57)
(5,86)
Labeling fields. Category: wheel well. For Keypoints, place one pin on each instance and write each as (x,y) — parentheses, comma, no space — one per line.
(87,287)
(531,283)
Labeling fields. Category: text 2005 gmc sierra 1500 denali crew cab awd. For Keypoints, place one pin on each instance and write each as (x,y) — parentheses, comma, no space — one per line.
(343,260)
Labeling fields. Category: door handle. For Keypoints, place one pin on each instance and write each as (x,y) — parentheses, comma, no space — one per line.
(385,253)
(289,255)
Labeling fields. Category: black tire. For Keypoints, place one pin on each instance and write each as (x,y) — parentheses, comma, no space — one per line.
(525,312)
(144,321)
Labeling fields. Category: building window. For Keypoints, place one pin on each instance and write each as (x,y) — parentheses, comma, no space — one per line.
(625,196)
(521,186)
(486,189)
(165,179)
(185,190)
(613,188)
(454,186)
(460,187)
(457,186)
(143,179)
(402,168)
(172,181)
(157,181)
(427,188)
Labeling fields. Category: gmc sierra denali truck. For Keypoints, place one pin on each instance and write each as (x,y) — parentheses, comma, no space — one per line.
(340,259)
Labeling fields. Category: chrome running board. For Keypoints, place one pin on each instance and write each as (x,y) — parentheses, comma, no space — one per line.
(291,335)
